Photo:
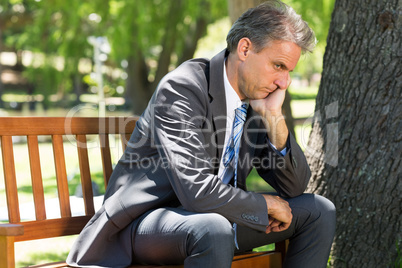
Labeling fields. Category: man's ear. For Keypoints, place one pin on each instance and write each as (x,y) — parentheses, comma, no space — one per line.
(243,48)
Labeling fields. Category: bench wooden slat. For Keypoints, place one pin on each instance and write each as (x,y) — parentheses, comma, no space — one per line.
(106,157)
(36,177)
(22,126)
(61,175)
(50,265)
(52,228)
(85,172)
(10,179)
(124,140)
(255,260)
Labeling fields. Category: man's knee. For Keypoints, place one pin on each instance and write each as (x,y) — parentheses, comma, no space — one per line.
(326,209)
(325,205)
(212,224)
(311,208)
(212,230)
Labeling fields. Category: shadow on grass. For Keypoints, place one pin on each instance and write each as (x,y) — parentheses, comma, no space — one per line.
(40,258)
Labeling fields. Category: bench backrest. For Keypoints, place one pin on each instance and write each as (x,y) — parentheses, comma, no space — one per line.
(58,128)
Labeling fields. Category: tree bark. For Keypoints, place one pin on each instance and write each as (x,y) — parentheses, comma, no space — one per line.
(355,147)
(236,8)
(138,87)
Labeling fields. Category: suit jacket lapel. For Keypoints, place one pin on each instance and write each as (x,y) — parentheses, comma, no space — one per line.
(218,100)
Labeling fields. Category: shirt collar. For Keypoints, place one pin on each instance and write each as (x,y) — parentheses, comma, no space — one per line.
(233,100)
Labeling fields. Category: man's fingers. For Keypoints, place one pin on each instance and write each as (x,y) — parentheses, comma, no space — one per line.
(280,228)
(275,223)
(277,226)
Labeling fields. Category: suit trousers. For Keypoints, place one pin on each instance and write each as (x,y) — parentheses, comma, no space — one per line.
(176,236)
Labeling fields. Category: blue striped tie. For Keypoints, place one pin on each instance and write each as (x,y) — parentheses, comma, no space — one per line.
(232,150)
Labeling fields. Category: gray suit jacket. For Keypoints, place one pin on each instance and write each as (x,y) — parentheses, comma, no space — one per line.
(173,159)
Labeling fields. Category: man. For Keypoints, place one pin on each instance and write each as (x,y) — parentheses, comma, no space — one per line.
(178,193)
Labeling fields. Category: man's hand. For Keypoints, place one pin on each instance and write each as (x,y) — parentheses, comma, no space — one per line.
(271,105)
(279,213)
(270,110)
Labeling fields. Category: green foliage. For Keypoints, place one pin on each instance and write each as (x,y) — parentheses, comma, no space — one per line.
(397,263)
(138,31)
(61,28)
(46,78)
(317,13)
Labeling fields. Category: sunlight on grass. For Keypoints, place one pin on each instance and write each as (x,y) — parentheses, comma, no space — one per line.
(303,92)
(43,250)
(265,248)
(302,108)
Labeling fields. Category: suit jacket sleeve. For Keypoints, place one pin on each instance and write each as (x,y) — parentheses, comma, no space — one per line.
(180,120)
(288,174)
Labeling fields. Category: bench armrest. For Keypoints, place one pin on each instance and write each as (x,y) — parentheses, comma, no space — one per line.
(8,229)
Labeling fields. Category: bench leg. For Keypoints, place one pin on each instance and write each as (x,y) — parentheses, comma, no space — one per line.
(282,247)
(7,252)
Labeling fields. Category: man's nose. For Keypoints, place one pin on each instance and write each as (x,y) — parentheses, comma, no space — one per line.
(284,81)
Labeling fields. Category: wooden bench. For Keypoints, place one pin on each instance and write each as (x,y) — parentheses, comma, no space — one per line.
(76,129)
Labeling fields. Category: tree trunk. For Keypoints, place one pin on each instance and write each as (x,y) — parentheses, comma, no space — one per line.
(169,41)
(355,145)
(77,86)
(138,87)
(236,8)
(196,31)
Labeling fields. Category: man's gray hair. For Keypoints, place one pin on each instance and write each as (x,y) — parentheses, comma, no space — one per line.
(270,21)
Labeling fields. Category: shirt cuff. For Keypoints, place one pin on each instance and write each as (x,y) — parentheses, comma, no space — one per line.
(282,152)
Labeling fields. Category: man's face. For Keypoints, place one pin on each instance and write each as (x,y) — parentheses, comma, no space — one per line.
(262,73)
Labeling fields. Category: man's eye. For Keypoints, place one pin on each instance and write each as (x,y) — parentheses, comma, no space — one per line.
(278,66)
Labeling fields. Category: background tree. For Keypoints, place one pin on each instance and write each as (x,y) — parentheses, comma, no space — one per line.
(11,21)
(56,35)
(155,36)
(355,146)
(148,38)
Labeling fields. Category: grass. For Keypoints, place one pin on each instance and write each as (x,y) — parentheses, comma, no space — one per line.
(43,250)
(303,92)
